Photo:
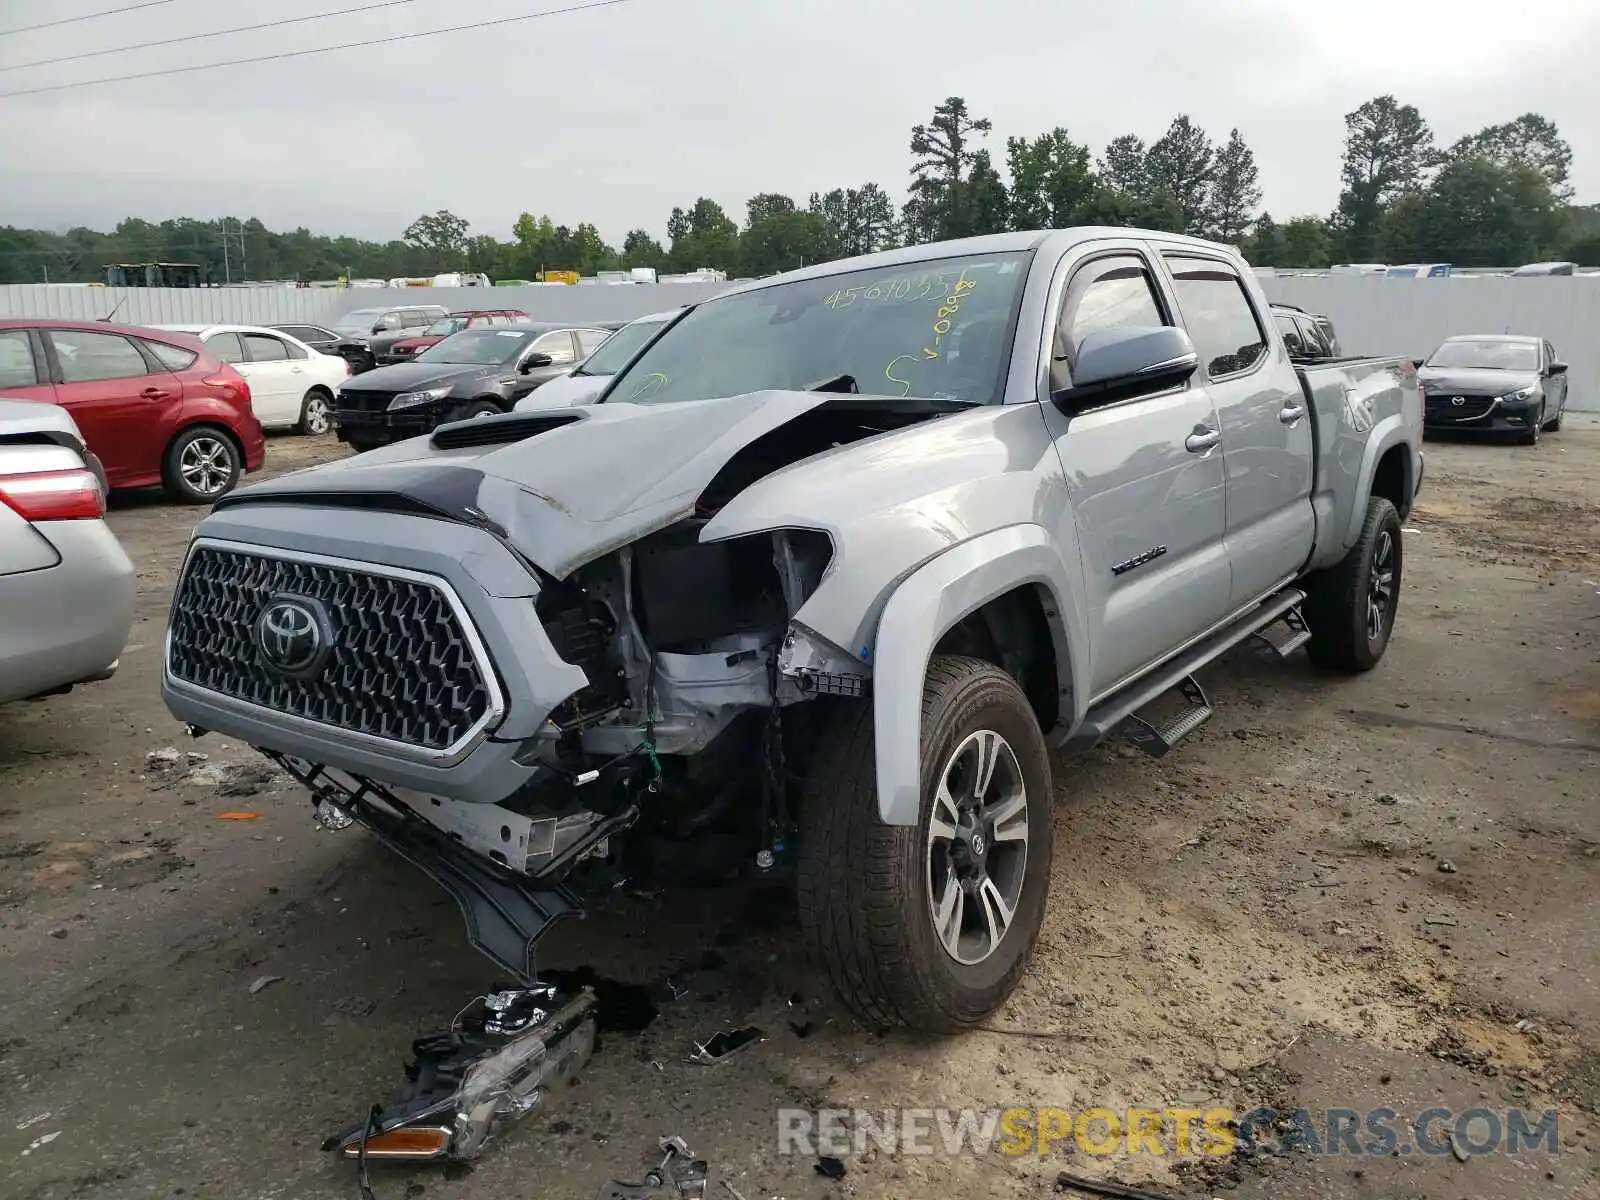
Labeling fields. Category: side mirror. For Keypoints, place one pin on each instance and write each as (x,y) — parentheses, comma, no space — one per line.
(536,360)
(1120,364)
(1557,368)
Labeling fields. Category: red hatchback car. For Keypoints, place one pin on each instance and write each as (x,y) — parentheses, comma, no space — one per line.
(154,407)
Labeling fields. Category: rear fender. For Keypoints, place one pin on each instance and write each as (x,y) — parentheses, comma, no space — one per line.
(923,608)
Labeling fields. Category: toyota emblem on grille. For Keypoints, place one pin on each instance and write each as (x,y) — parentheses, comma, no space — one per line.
(1458,401)
(292,635)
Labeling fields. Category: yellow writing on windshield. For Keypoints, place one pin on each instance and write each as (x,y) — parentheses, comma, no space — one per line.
(651,384)
(906,289)
(947,312)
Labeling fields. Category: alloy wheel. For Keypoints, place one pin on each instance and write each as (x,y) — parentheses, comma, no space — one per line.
(977,851)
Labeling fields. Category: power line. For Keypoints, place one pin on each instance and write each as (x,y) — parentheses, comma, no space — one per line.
(383,41)
(110,12)
(199,37)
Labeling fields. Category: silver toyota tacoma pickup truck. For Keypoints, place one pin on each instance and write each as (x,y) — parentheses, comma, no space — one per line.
(818,590)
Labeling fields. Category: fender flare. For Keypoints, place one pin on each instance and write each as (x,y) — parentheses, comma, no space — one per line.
(1385,436)
(922,609)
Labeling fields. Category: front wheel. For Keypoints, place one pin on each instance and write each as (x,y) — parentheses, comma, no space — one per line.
(201,465)
(482,408)
(1531,437)
(1350,608)
(930,926)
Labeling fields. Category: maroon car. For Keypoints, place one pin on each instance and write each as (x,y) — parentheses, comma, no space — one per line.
(154,407)
(407,348)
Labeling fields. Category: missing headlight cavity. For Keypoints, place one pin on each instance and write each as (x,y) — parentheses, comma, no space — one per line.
(687,593)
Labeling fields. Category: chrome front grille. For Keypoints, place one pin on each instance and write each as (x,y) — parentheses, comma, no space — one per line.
(402,664)
(1441,407)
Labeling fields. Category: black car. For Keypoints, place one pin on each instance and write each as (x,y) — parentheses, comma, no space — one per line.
(473,373)
(1494,383)
(1308,336)
(320,337)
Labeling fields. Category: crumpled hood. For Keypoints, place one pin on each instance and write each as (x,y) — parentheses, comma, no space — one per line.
(580,482)
(1475,382)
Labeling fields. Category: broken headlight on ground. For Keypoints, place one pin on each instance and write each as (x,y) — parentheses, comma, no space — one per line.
(498,1062)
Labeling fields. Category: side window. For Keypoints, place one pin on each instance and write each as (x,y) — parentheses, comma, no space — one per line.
(1110,293)
(1292,337)
(89,357)
(226,346)
(265,349)
(390,320)
(1310,337)
(590,340)
(173,358)
(17,368)
(557,345)
(1550,355)
(416,318)
(1221,321)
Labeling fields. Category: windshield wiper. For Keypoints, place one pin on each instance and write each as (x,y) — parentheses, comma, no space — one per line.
(835,383)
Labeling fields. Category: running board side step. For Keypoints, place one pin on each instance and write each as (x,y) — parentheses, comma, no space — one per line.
(1282,638)
(1157,737)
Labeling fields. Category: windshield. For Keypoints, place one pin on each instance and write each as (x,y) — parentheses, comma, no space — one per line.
(445,327)
(479,347)
(362,320)
(617,349)
(939,329)
(1487,356)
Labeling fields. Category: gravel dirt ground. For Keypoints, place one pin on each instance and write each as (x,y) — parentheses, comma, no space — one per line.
(1340,893)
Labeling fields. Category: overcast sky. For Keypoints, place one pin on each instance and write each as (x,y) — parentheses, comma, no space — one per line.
(615,115)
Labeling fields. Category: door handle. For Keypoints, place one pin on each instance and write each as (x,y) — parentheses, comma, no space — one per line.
(1201,440)
(1291,412)
(296,370)
(151,393)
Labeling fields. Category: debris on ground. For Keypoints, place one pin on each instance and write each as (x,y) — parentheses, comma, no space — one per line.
(1066,1182)
(679,1176)
(720,1046)
(40,1142)
(264,982)
(619,1007)
(504,1057)
(829,1167)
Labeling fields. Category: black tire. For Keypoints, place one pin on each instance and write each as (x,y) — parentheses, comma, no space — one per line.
(316,413)
(1337,599)
(202,464)
(483,408)
(1553,425)
(866,888)
(1531,437)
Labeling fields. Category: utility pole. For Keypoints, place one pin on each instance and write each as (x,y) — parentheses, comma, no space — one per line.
(227,265)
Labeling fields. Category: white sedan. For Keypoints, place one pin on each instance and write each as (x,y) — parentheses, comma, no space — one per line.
(291,385)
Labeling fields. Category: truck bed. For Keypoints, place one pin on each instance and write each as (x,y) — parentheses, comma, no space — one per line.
(1362,409)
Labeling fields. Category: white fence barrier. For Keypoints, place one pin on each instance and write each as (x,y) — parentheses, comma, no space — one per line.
(277,306)
(1373,315)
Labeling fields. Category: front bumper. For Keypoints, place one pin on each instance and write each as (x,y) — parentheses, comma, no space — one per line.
(497,596)
(68,623)
(1481,414)
(366,426)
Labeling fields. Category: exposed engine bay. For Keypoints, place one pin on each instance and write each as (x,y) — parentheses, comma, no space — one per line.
(673,763)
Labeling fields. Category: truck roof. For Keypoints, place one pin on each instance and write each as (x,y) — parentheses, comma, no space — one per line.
(991,243)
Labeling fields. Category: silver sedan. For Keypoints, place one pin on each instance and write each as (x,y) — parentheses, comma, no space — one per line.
(66,587)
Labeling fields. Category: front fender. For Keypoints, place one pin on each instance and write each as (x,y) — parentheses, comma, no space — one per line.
(922,609)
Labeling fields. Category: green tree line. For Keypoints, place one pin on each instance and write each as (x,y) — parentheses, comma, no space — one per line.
(1499,197)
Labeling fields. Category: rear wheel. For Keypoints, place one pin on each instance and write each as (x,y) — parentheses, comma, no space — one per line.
(482,408)
(201,465)
(1351,608)
(930,926)
(316,416)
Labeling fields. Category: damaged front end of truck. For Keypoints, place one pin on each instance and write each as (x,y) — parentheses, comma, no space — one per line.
(523,654)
